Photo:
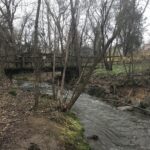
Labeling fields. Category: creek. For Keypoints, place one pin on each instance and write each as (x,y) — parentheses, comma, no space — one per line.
(115,129)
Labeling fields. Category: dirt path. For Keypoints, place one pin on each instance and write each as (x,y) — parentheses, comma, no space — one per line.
(38,132)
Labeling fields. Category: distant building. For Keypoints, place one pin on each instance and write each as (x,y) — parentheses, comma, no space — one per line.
(146,47)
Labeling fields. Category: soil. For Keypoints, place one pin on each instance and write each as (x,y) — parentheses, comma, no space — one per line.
(23,129)
(120,91)
(19,127)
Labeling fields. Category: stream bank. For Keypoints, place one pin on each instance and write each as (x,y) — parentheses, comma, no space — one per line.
(107,128)
(45,129)
(122,92)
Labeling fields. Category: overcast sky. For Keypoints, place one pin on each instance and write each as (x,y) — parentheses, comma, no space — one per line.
(147,25)
(146,15)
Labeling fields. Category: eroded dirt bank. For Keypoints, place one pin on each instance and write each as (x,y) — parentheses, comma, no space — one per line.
(120,91)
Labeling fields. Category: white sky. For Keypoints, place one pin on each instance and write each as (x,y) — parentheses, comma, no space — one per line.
(147,25)
(146,34)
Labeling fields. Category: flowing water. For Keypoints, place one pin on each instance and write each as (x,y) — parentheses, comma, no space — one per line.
(116,130)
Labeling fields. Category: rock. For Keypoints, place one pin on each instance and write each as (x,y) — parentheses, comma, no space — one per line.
(125,108)
(93,137)
(136,102)
(33,146)
(148,110)
(96,91)
(145,103)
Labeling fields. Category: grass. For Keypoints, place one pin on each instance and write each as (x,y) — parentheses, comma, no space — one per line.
(73,133)
(118,69)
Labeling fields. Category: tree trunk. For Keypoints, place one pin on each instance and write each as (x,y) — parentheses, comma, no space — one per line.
(36,55)
(108,64)
(79,89)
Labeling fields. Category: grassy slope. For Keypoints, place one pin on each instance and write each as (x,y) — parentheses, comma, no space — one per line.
(119,69)
(73,133)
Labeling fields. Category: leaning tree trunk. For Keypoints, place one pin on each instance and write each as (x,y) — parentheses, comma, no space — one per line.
(84,81)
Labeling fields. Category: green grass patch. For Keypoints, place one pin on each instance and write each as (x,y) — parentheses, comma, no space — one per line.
(69,130)
(119,69)
(73,133)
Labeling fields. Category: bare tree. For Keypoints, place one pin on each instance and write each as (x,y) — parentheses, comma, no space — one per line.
(100,40)
(64,31)
(103,24)
(130,37)
(36,56)
(74,32)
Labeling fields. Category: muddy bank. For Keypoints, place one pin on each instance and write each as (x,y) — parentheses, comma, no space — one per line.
(120,92)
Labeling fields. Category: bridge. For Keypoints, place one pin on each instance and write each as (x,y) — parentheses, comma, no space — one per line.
(26,63)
